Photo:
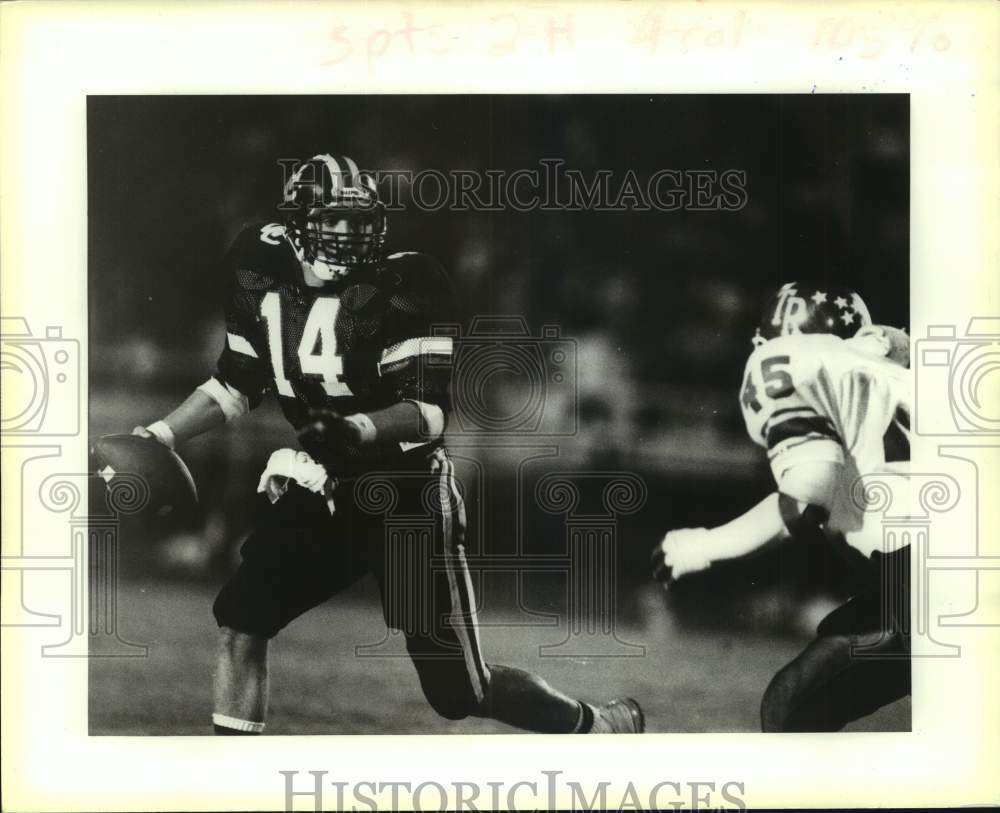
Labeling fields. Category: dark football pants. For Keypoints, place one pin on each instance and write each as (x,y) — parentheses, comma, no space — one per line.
(859,662)
(407,528)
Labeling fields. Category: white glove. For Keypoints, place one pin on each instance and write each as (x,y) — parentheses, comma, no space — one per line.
(285,465)
(681,552)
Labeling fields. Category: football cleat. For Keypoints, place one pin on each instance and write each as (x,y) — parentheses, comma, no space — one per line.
(621,716)
(335,220)
(802,307)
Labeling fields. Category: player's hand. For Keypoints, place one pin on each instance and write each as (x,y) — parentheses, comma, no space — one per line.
(681,552)
(330,439)
(158,431)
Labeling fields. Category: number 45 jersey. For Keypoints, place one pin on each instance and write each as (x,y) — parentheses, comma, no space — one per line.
(353,347)
(819,398)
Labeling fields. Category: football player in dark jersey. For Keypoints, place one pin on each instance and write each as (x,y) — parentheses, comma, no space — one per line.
(342,333)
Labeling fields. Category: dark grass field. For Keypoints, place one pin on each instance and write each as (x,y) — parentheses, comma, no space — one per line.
(686,682)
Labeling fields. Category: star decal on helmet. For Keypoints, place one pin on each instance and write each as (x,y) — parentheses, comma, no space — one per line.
(819,297)
(840,302)
(847,316)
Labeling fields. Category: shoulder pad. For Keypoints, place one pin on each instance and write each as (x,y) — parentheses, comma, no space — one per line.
(802,348)
(357,296)
(411,271)
(260,255)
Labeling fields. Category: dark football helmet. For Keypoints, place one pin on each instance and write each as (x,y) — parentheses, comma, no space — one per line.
(335,220)
(804,307)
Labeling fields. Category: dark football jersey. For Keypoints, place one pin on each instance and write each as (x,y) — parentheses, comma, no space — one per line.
(352,347)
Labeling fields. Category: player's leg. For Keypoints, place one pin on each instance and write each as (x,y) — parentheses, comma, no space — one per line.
(836,679)
(240,683)
(524,700)
(447,654)
(521,699)
(291,563)
(458,682)
(859,662)
(507,694)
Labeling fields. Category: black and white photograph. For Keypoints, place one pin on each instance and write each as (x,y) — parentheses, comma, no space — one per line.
(486,413)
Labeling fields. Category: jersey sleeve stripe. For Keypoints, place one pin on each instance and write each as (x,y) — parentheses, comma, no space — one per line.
(425,345)
(801,427)
(808,410)
(782,415)
(240,345)
(793,443)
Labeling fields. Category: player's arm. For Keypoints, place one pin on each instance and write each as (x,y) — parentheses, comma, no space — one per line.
(799,508)
(210,405)
(198,413)
(331,438)
(419,415)
(215,402)
(408,421)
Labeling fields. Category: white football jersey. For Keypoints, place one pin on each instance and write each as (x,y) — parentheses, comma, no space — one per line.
(819,398)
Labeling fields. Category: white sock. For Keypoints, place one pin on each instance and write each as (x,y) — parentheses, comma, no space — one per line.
(237,724)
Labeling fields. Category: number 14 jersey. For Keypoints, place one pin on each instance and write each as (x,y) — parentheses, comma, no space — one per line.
(352,347)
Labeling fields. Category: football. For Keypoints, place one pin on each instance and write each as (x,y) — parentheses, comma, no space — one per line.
(160,482)
(899,345)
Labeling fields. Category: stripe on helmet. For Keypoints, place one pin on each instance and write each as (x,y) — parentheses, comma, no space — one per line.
(343,171)
(348,171)
(352,168)
(335,172)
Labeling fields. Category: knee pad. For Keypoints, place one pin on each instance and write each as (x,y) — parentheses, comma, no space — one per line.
(233,609)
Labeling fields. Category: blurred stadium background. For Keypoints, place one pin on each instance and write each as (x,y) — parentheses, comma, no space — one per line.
(661,306)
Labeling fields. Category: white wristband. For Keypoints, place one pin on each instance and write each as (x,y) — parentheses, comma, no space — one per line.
(231,401)
(431,419)
(162,433)
(364,425)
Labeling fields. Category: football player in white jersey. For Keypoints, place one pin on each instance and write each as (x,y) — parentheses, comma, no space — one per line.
(822,389)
